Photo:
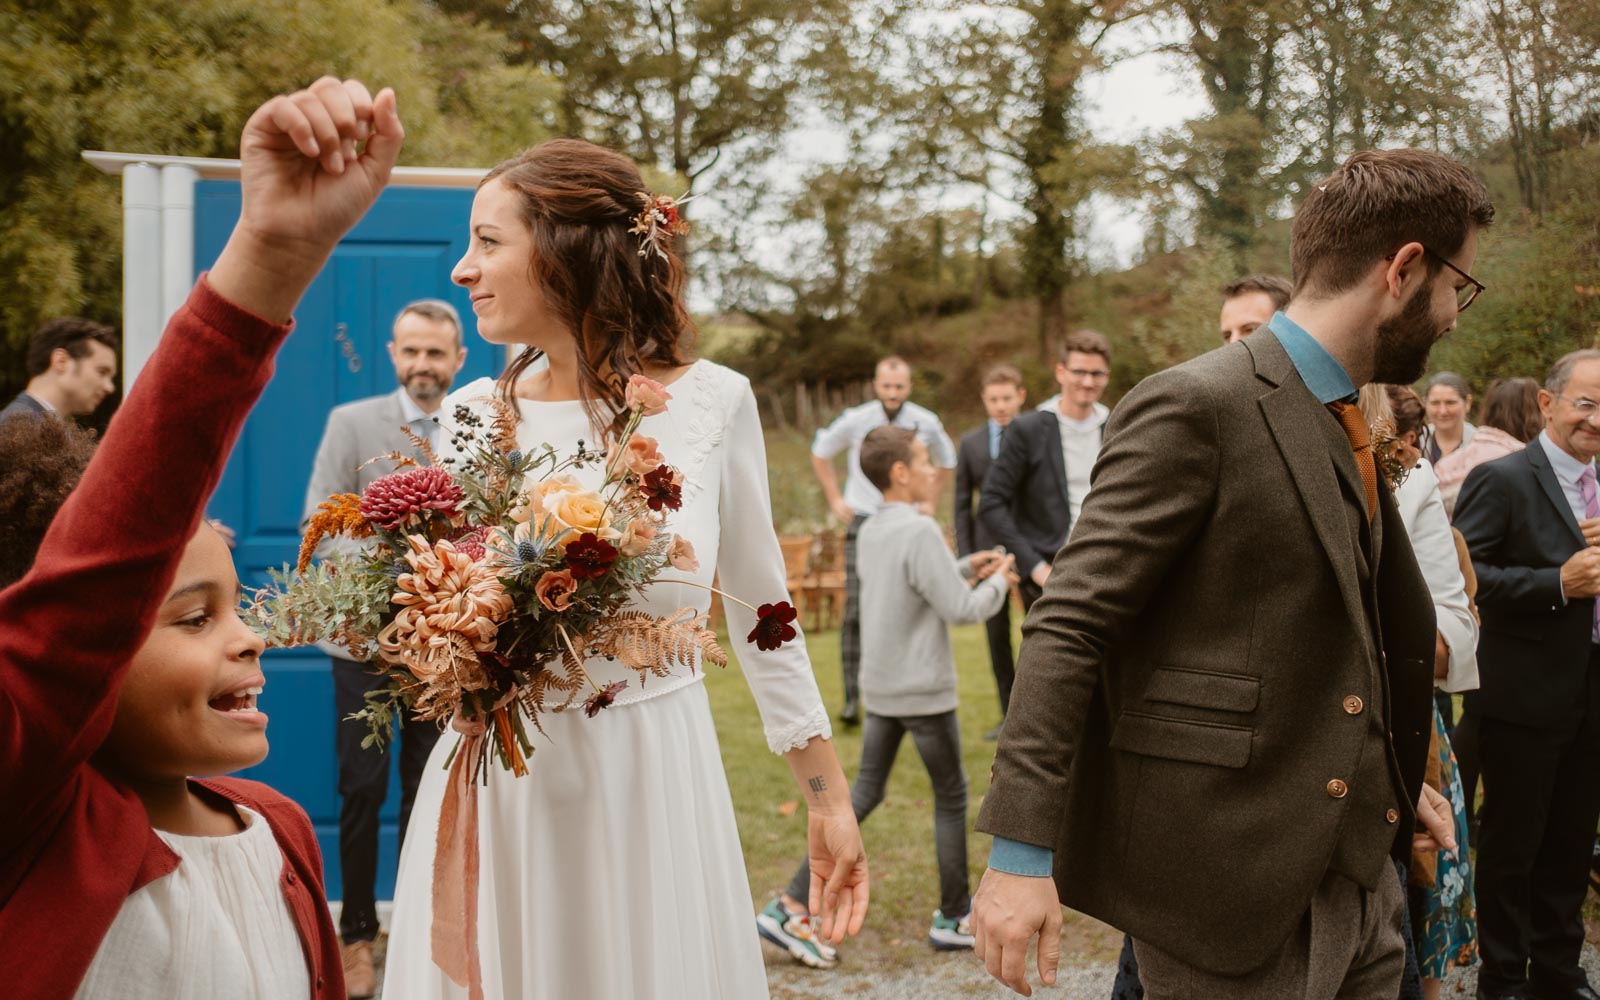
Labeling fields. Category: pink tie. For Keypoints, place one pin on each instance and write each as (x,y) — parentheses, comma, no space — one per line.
(1591,508)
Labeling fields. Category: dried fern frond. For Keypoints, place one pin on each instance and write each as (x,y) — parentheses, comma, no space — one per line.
(503,430)
(421,444)
(340,514)
(652,645)
(400,459)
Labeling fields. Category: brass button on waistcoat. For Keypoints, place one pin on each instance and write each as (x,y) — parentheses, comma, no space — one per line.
(1353,704)
(1393,816)
(1338,789)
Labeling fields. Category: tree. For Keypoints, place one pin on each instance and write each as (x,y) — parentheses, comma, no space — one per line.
(1544,58)
(176,78)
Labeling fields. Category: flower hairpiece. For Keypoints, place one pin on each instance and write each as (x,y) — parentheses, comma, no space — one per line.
(658,222)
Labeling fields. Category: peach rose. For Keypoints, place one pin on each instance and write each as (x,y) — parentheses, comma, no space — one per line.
(637,537)
(555,590)
(534,499)
(681,555)
(584,511)
(639,456)
(646,394)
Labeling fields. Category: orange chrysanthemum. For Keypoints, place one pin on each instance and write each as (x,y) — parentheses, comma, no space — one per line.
(340,514)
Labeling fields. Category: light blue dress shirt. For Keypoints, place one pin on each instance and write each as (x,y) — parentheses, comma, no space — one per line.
(1330,383)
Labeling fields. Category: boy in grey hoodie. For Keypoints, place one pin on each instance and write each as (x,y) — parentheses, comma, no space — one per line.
(912,589)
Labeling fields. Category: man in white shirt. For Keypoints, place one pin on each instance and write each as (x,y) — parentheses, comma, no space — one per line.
(1035,488)
(427,353)
(891,383)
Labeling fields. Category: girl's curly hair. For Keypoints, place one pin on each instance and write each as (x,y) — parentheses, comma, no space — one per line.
(41,460)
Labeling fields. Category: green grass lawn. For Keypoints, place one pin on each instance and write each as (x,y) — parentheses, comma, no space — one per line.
(899,834)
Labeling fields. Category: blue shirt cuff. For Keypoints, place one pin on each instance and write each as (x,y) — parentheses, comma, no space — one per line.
(1017,858)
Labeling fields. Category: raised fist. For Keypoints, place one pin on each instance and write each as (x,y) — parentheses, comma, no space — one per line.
(312,163)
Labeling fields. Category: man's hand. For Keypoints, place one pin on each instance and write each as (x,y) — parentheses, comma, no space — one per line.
(842,510)
(1040,574)
(305,180)
(1007,913)
(1436,823)
(1590,526)
(839,882)
(1580,575)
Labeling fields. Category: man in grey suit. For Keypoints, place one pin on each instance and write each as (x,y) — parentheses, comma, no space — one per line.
(1220,724)
(427,353)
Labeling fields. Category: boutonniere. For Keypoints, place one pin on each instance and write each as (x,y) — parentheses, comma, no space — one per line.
(1387,451)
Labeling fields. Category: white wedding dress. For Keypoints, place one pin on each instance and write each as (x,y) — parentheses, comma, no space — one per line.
(613,868)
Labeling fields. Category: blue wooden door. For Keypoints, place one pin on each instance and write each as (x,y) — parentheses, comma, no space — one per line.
(403,250)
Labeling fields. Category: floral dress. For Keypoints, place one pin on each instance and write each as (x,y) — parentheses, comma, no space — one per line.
(1447,928)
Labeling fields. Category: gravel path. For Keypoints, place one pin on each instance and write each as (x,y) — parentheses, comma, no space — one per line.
(959,975)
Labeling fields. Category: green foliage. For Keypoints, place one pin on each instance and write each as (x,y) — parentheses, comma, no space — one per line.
(343,599)
(172,77)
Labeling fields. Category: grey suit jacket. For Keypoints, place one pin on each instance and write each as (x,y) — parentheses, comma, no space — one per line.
(1205,718)
(355,433)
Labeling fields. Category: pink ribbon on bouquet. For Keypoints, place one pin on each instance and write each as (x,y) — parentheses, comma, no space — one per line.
(455,867)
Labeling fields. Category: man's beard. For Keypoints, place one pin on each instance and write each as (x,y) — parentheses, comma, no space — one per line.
(425,388)
(1400,353)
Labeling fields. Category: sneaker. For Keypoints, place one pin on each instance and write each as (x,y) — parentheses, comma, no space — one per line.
(792,932)
(360,978)
(950,935)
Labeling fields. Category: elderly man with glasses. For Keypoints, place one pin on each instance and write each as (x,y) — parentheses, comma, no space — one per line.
(1532,524)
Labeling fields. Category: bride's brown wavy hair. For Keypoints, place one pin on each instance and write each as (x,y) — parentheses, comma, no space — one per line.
(578,201)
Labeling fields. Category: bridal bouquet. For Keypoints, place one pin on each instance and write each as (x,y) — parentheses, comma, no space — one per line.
(490,576)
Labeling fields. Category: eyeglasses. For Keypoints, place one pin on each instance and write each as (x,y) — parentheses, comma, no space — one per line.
(1464,296)
(1098,374)
(1586,408)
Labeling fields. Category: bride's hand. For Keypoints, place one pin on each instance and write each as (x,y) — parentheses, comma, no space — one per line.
(839,883)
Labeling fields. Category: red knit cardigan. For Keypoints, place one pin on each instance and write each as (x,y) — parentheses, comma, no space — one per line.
(74,842)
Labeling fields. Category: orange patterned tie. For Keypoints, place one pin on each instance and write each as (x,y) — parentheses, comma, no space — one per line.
(1355,428)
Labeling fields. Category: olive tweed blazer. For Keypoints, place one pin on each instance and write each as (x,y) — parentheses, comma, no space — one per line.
(1211,709)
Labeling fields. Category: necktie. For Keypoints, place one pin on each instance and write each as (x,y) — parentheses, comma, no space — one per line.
(995,441)
(1591,508)
(1355,428)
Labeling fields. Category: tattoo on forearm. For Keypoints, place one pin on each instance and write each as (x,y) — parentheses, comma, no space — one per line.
(818,785)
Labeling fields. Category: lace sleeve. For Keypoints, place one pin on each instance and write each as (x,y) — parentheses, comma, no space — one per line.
(750,566)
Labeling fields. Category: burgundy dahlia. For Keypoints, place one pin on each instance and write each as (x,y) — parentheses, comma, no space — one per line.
(392,500)
(590,556)
(469,542)
(603,698)
(662,489)
(772,626)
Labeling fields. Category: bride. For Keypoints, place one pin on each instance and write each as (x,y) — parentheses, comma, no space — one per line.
(613,869)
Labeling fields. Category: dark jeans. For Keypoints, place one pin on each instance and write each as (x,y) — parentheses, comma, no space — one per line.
(850,620)
(1540,808)
(938,742)
(998,630)
(363,785)
(1446,703)
(1465,743)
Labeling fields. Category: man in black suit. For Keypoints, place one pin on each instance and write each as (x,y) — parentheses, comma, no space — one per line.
(1003,396)
(1036,486)
(1532,523)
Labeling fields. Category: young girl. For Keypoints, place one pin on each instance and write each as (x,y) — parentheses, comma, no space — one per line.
(613,869)
(124,667)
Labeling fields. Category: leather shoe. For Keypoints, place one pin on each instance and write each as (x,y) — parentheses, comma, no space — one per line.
(360,977)
(1583,992)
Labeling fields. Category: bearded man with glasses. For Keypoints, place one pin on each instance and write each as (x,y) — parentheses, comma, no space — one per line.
(1532,524)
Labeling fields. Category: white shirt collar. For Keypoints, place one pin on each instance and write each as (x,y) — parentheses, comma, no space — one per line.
(1567,468)
(409,408)
(42,402)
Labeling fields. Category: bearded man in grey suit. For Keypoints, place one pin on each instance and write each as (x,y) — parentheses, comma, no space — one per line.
(1220,723)
(427,353)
